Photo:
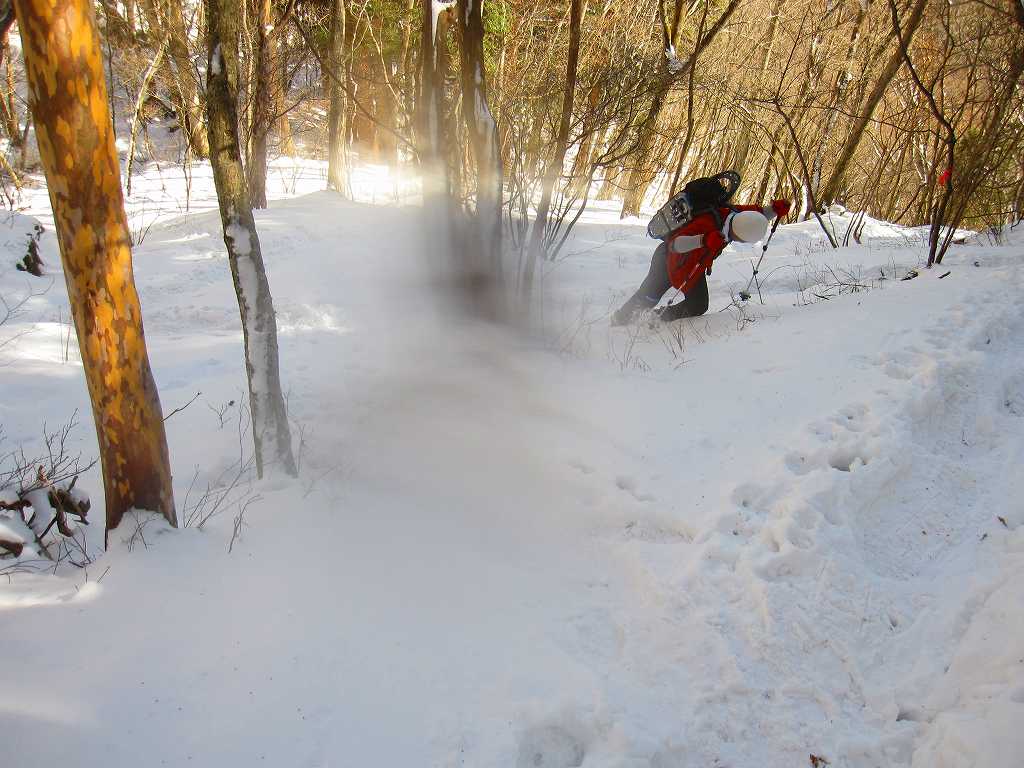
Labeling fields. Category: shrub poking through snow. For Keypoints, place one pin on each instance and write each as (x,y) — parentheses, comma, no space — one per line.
(31,262)
(41,510)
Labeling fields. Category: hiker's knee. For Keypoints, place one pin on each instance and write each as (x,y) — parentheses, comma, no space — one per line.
(698,304)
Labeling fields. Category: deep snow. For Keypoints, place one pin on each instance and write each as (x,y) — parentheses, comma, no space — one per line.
(743,540)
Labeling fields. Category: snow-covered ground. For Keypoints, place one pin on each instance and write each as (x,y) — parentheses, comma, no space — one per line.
(783,532)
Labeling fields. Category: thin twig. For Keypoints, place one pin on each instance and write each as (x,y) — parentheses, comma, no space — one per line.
(182,408)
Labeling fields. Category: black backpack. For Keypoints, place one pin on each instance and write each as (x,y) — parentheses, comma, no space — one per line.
(708,193)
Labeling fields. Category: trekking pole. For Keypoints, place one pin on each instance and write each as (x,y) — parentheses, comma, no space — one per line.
(745,294)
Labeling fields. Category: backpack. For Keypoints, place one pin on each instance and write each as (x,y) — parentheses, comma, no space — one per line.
(708,193)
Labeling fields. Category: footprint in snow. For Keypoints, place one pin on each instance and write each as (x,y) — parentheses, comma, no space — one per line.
(798,463)
(848,458)
(894,370)
(581,466)
(752,497)
(549,746)
(853,417)
(628,484)
(1013,394)
(786,566)
(653,532)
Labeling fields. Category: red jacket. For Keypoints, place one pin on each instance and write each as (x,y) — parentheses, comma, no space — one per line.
(686,269)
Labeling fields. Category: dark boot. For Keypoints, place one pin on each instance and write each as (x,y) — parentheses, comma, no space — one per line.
(629,311)
(694,305)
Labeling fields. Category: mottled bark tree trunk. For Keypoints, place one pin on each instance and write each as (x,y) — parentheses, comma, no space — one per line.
(271,434)
(64,69)
(337,145)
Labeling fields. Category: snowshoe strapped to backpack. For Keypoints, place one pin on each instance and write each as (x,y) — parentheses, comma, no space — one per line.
(704,194)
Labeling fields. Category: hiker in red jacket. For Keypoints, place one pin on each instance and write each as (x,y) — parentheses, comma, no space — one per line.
(685,257)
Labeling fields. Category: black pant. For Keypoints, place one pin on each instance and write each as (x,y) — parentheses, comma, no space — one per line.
(657,284)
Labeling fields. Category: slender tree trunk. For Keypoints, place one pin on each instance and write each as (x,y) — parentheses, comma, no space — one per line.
(337,149)
(973,168)
(613,175)
(263,106)
(641,176)
(170,19)
(449,148)
(856,133)
(140,103)
(271,433)
(811,201)
(405,59)
(8,104)
(739,164)
(186,80)
(554,169)
(64,69)
(582,173)
(279,93)
(483,134)
(430,110)
(843,79)
(935,252)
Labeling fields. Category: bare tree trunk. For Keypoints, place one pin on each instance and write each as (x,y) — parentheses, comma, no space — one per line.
(263,107)
(935,252)
(988,146)
(169,18)
(449,147)
(739,163)
(271,433)
(641,176)
(69,105)
(554,169)
(812,203)
(409,71)
(129,16)
(483,135)
(279,92)
(843,79)
(337,129)
(431,123)
(140,102)
(8,104)
(849,148)
(582,173)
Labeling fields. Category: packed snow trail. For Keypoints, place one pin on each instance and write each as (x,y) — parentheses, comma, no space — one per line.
(786,543)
